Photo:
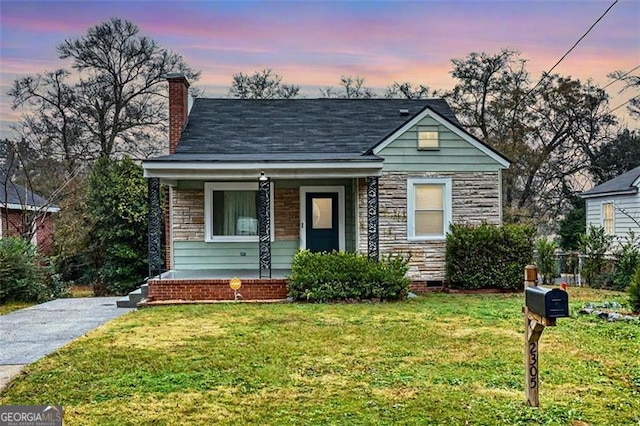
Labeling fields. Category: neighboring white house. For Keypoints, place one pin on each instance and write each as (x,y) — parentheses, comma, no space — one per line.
(615,204)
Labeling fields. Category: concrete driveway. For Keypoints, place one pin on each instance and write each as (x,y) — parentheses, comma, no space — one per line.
(31,333)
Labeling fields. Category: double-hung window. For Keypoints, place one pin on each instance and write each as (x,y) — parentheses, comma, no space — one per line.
(608,220)
(428,208)
(231,211)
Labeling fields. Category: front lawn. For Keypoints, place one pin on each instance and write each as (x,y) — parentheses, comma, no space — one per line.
(438,359)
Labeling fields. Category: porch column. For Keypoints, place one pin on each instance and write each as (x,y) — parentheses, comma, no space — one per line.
(154,231)
(264,225)
(373,211)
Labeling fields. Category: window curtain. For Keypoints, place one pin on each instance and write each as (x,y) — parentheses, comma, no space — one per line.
(240,213)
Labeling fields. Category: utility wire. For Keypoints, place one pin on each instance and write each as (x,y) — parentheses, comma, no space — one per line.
(621,77)
(623,104)
(546,74)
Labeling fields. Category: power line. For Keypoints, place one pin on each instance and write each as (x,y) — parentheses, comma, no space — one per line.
(622,76)
(623,104)
(546,74)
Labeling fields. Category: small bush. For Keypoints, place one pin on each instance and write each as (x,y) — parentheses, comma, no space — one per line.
(323,277)
(594,245)
(488,256)
(627,260)
(21,278)
(634,291)
(546,259)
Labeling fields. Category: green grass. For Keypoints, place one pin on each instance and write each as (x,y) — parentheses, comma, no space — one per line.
(438,359)
(11,306)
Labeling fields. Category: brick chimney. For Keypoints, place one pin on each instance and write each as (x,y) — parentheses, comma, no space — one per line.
(178,107)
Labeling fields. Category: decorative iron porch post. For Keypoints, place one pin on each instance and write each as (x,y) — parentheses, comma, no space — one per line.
(372,218)
(264,224)
(154,230)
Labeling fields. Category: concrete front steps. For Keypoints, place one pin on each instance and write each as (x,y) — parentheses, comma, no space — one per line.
(135,297)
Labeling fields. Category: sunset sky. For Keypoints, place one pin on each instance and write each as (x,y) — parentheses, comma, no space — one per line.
(313,43)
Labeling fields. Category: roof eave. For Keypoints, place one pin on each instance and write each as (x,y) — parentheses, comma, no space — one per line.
(29,207)
(200,170)
(630,191)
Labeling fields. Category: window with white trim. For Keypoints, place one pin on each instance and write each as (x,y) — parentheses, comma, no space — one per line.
(428,138)
(608,218)
(428,208)
(231,211)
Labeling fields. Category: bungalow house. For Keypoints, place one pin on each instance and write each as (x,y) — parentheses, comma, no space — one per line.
(615,205)
(250,182)
(20,209)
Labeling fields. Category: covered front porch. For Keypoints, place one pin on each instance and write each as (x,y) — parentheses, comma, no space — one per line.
(313,207)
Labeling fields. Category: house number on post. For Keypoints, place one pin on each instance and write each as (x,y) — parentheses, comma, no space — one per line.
(541,308)
(533,368)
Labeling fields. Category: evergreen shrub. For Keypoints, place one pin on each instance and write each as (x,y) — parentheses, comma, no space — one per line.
(634,291)
(21,278)
(627,260)
(116,219)
(324,277)
(488,256)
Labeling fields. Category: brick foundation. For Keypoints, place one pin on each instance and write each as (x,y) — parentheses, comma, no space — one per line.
(426,287)
(216,289)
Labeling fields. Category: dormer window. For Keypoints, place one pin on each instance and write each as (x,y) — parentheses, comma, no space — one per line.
(428,138)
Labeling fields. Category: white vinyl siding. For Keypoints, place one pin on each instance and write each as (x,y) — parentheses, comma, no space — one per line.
(428,208)
(625,210)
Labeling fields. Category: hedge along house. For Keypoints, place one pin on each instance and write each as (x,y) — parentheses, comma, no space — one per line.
(250,182)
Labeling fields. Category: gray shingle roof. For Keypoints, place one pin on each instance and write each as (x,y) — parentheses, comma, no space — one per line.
(622,184)
(297,126)
(12,193)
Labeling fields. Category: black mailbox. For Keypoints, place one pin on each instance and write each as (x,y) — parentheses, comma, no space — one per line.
(547,302)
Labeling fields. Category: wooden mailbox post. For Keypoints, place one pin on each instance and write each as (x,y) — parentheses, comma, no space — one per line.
(541,308)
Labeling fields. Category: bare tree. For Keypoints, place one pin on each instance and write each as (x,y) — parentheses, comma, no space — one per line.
(264,84)
(408,91)
(350,88)
(631,84)
(50,124)
(22,211)
(550,133)
(122,92)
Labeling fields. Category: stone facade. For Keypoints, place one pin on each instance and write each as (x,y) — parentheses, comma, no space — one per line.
(188,214)
(475,200)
